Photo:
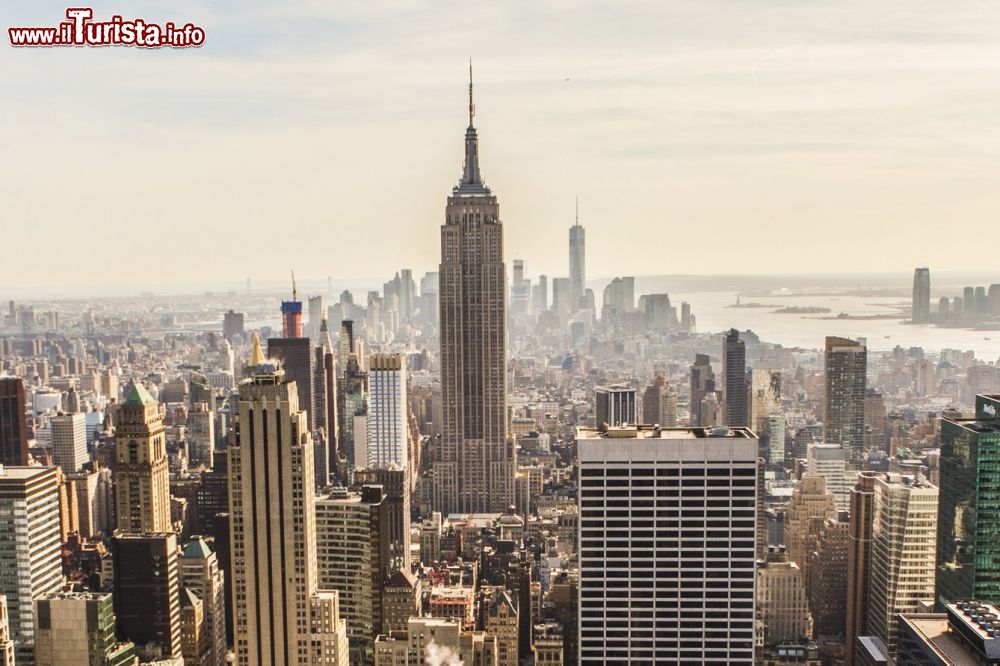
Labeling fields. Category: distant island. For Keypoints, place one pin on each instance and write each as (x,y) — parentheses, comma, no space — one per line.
(737,304)
(801,309)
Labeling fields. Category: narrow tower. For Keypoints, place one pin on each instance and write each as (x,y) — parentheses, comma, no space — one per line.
(476,467)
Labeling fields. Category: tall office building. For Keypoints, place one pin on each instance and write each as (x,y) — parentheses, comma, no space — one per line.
(577,262)
(811,504)
(200,575)
(13,426)
(968,543)
(859,560)
(29,537)
(659,403)
(614,406)
(142,480)
(650,571)
(828,578)
(702,383)
(281,618)
(353,550)
(395,512)
(353,413)
(388,431)
(846,365)
(79,629)
(147,590)
(921,295)
(562,295)
(782,603)
(904,528)
(299,364)
(734,381)
(765,396)
(69,441)
(540,295)
(476,466)
(828,461)
(315,315)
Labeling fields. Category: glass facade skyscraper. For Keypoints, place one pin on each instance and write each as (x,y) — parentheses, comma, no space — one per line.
(968,538)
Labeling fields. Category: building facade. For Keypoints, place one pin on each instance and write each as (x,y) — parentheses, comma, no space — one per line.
(142,478)
(646,563)
(476,465)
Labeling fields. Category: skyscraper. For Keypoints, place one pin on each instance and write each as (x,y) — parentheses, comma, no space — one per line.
(904,526)
(968,543)
(702,383)
(299,364)
(13,428)
(577,262)
(69,441)
(734,383)
(200,575)
(281,619)
(846,376)
(29,537)
(353,551)
(859,560)
(649,571)
(476,466)
(388,434)
(142,480)
(147,590)
(614,406)
(921,295)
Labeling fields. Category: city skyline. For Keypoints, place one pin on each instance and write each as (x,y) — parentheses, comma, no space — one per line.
(713,107)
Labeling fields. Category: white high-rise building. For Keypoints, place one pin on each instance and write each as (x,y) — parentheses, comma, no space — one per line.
(903,552)
(281,618)
(387,431)
(667,545)
(830,461)
(29,532)
(69,441)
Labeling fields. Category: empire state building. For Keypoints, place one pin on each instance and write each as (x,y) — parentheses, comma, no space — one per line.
(476,464)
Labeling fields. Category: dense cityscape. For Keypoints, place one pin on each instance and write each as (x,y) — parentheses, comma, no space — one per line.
(478,467)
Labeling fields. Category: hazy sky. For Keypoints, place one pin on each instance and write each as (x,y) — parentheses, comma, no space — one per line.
(701,136)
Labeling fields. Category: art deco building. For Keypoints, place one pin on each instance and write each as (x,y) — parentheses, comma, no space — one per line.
(142,480)
(781,600)
(476,464)
(278,608)
(859,560)
(201,576)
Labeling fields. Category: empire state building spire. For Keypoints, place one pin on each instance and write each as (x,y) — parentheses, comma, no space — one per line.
(472,179)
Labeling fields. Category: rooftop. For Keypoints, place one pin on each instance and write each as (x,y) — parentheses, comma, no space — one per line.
(654,432)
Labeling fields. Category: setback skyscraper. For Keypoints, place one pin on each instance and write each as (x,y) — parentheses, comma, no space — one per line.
(142,480)
(476,466)
(281,619)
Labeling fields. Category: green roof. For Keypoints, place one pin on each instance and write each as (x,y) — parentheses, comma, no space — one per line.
(137,395)
(196,548)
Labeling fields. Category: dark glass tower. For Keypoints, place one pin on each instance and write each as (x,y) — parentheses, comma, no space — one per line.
(734,388)
(968,538)
(846,376)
